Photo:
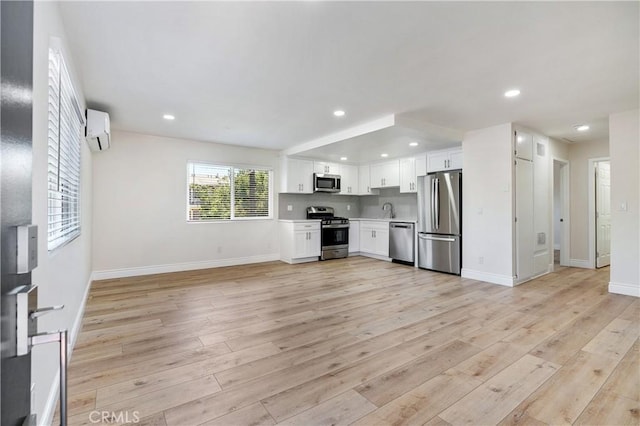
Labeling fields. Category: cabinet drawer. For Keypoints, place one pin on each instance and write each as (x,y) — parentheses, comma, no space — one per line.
(315,226)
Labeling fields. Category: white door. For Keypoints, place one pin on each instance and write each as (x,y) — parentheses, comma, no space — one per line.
(525,241)
(603,213)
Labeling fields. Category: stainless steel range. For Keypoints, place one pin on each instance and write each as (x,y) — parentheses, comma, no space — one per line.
(334,232)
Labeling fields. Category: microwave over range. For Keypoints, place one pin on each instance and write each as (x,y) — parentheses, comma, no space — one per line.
(323,182)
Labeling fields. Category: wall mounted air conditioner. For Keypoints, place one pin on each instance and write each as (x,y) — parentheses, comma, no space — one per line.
(98,130)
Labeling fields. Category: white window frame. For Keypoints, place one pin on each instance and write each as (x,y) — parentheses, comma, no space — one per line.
(232,168)
(64,141)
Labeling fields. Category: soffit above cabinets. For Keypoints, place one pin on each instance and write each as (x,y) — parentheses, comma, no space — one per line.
(390,135)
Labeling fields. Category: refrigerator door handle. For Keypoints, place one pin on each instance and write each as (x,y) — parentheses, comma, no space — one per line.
(437,203)
(433,203)
(433,238)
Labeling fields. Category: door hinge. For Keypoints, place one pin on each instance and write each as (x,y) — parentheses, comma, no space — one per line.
(516,219)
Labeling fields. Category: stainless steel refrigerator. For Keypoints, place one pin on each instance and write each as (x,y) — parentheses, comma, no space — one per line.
(440,221)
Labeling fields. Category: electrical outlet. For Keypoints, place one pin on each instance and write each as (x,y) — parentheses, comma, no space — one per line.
(481,260)
(219,249)
(289,208)
(623,206)
(348,207)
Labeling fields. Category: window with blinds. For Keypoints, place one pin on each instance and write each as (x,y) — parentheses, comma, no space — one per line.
(227,193)
(66,124)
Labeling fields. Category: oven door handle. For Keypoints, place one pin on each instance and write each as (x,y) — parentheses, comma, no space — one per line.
(335,226)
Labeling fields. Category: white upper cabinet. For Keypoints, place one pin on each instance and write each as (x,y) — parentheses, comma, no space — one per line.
(326,167)
(296,176)
(364,181)
(408,175)
(348,179)
(449,159)
(384,175)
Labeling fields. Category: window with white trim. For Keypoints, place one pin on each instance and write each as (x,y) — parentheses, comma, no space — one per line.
(226,193)
(66,124)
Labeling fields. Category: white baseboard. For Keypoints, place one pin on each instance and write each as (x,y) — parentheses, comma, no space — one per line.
(178,267)
(489,277)
(54,390)
(624,288)
(579,263)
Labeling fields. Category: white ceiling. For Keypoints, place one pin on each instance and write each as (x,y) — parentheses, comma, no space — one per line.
(270,74)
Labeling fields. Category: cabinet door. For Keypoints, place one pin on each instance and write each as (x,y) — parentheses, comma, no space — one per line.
(377,175)
(455,159)
(382,242)
(349,179)
(408,174)
(437,161)
(364,181)
(392,173)
(314,247)
(326,167)
(300,244)
(367,241)
(386,174)
(298,176)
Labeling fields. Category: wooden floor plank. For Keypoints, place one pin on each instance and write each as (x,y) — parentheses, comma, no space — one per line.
(342,409)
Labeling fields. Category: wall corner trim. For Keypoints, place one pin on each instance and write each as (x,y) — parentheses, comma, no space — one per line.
(505,280)
(179,267)
(625,289)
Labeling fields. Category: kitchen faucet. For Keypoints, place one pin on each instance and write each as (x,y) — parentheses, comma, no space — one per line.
(388,206)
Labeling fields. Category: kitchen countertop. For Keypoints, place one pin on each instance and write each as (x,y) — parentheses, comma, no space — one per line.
(298,220)
(396,219)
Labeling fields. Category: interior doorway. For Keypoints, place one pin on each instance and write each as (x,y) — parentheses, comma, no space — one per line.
(603,213)
(599,212)
(561,225)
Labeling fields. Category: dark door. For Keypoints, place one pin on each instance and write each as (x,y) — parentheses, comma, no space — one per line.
(16,73)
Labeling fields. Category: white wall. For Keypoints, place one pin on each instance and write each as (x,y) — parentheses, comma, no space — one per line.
(487,214)
(62,276)
(139,210)
(624,146)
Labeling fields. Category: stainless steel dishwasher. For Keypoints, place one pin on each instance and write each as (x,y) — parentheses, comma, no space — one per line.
(401,241)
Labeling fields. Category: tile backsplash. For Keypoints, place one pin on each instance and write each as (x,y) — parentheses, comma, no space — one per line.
(369,206)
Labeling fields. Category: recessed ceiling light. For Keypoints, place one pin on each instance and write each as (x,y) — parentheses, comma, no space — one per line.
(512,93)
(169,117)
(582,127)
(338,113)
(413,144)
(343,158)
(384,155)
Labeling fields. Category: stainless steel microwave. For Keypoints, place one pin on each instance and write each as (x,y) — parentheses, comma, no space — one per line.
(323,182)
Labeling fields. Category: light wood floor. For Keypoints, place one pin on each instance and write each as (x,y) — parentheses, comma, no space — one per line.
(356,341)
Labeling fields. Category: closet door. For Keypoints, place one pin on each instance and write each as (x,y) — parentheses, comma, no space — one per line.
(525,242)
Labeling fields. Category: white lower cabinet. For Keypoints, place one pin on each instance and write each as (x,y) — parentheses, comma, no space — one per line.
(374,238)
(354,236)
(299,241)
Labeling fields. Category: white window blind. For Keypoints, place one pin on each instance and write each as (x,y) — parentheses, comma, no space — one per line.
(227,193)
(66,124)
